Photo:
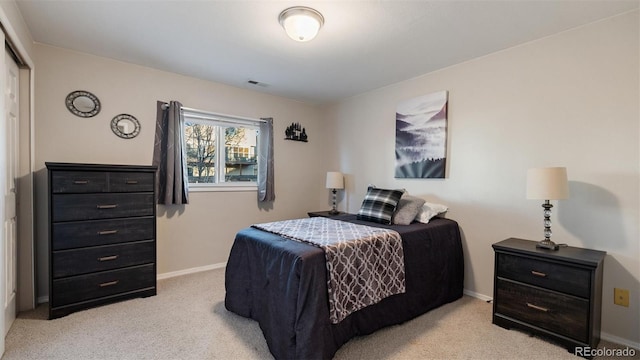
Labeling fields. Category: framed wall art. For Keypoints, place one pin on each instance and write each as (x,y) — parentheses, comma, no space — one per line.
(421,136)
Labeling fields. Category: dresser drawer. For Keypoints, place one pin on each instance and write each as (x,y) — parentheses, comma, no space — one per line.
(78,182)
(100,258)
(562,314)
(567,279)
(131,181)
(91,286)
(74,234)
(69,207)
(82,182)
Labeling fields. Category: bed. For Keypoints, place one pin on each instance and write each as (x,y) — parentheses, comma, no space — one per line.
(282,284)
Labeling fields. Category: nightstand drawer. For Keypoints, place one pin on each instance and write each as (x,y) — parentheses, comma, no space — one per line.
(101,232)
(562,314)
(567,279)
(91,286)
(100,258)
(69,207)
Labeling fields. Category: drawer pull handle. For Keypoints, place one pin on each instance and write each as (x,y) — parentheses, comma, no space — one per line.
(110,206)
(108,258)
(131,182)
(107,232)
(540,308)
(110,283)
(80,182)
(537,273)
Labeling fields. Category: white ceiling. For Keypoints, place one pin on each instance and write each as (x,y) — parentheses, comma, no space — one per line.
(362,46)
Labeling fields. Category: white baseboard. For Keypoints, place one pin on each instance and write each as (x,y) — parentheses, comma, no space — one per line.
(477,295)
(190,271)
(619,340)
(43,299)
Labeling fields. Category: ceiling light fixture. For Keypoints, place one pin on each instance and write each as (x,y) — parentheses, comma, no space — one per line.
(301,23)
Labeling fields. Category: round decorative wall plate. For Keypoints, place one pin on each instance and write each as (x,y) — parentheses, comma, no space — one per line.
(125,126)
(83,103)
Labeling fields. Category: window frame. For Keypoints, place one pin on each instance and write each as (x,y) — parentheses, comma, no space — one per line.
(220,121)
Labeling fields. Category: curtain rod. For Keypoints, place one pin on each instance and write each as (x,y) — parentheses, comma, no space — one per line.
(166,105)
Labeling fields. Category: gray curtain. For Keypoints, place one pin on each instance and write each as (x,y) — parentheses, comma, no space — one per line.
(265,162)
(172,184)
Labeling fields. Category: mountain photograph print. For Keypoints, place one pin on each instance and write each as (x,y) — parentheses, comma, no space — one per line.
(421,137)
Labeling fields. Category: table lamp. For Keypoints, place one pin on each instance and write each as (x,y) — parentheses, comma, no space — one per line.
(547,184)
(335,180)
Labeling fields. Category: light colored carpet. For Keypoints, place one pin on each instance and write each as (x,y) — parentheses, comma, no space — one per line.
(187,320)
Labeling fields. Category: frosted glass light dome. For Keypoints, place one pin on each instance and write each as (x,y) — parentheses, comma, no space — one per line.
(301,23)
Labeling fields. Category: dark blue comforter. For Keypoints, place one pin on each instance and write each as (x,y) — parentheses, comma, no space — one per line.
(282,284)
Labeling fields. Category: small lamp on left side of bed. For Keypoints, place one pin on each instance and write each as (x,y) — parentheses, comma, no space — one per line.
(335,181)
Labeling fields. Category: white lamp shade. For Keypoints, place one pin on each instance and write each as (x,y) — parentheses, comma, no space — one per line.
(301,23)
(547,183)
(335,180)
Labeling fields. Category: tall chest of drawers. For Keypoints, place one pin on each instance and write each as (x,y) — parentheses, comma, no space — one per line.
(102,235)
(556,294)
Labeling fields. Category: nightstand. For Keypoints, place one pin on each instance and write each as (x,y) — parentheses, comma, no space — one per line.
(324,214)
(554,294)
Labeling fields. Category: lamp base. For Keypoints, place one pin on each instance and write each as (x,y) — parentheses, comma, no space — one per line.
(334,210)
(547,244)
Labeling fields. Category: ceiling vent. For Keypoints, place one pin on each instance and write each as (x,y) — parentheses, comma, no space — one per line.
(256,83)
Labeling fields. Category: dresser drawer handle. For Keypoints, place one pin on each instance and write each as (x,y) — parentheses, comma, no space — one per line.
(110,206)
(108,258)
(540,308)
(537,273)
(110,283)
(80,182)
(131,182)
(107,232)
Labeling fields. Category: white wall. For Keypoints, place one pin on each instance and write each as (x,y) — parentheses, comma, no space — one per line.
(191,236)
(566,100)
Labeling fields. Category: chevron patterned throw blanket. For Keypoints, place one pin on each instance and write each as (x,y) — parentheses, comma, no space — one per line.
(364,264)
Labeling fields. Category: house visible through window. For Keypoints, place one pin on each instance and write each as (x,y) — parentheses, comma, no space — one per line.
(221,150)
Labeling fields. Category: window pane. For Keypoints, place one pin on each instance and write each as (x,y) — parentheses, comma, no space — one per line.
(240,154)
(201,152)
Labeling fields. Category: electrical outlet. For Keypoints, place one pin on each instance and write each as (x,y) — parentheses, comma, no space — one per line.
(621,297)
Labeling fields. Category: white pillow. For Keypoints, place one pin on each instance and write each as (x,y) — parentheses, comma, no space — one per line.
(430,210)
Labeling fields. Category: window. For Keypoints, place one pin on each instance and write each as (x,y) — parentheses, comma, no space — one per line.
(221,151)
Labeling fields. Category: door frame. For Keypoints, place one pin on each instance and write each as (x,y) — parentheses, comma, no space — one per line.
(26,215)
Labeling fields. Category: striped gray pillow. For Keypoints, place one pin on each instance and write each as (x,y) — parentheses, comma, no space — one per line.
(379,205)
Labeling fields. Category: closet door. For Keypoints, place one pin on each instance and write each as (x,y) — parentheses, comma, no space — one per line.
(10,190)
